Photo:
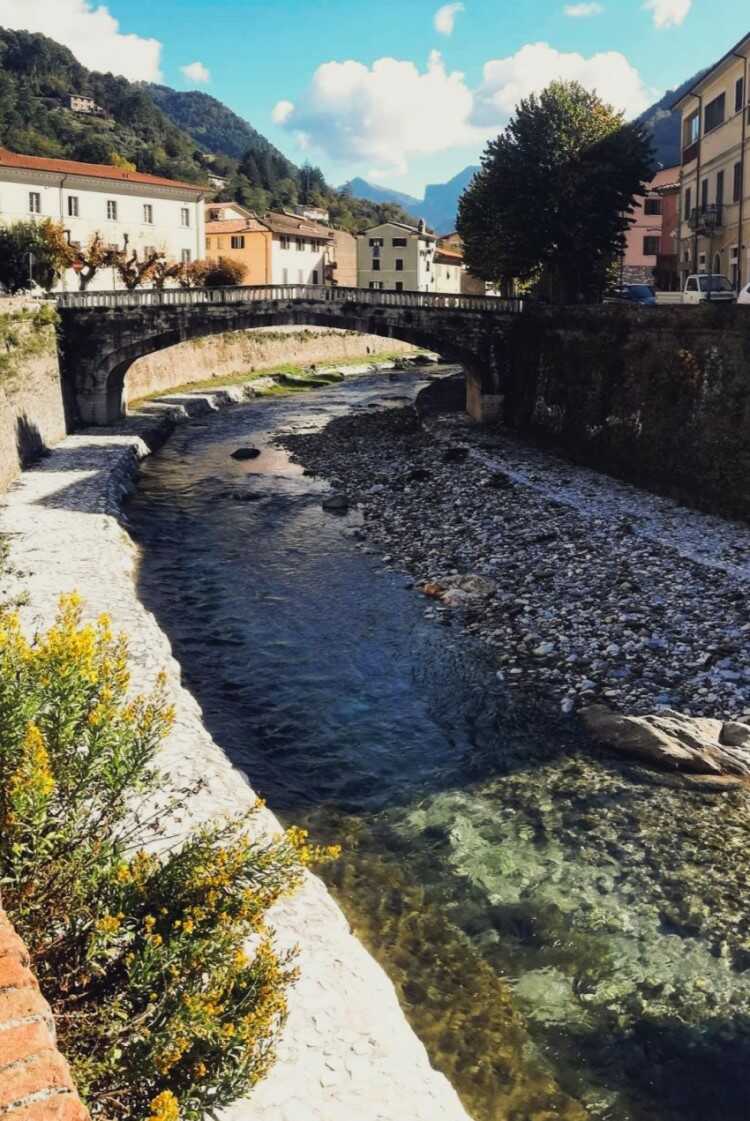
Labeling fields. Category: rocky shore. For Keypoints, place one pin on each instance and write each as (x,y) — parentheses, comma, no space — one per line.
(586,589)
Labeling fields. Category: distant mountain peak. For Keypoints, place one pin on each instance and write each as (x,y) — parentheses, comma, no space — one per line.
(438,207)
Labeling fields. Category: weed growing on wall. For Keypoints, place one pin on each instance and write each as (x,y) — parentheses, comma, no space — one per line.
(24,334)
(163,975)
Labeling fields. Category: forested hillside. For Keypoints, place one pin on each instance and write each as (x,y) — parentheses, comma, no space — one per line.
(156,130)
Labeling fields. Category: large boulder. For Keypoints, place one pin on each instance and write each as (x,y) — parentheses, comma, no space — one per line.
(670,739)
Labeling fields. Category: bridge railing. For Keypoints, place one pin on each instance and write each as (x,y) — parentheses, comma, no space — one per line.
(316,293)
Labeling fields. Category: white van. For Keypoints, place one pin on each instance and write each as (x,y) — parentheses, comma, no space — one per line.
(708,286)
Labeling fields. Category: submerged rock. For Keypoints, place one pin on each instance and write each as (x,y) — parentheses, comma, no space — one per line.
(336,503)
(246,453)
(670,739)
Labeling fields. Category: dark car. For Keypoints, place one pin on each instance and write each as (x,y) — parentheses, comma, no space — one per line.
(632,294)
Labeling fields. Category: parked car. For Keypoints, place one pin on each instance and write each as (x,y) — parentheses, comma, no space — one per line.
(744,296)
(704,287)
(632,294)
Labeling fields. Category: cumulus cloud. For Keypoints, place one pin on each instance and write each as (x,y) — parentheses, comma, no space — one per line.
(507,80)
(668,13)
(583,11)
(196,72)
(445,18)
(383,114)
(90,31)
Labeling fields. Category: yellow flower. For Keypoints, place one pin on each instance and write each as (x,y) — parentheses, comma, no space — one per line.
(109,924)
(165,1107)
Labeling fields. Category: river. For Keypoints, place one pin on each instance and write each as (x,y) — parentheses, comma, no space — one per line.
(567,934)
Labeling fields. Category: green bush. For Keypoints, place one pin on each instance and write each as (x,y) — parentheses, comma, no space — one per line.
(160,1006)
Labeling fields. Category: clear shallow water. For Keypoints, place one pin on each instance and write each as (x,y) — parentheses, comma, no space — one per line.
(568,935)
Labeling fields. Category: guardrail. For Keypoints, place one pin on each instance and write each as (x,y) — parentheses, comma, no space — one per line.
(242,294)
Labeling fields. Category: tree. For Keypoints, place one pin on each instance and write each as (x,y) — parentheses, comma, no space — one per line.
(132,271)
(224,273)
(165,270)
(87,262)
(192,274)
(555,192)
(36,251)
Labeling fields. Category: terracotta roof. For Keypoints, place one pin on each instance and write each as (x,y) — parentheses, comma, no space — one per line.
(236,226)
(93,170)
(448,257)
(293,226)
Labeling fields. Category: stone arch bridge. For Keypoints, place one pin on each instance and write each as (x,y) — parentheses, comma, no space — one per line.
(103,333)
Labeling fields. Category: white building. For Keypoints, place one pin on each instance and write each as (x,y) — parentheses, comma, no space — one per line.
(79,103)
(397,258)
(146,210)
(449,270)
(301,249)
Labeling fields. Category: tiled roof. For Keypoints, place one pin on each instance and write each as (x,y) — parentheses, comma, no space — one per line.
(448,257)
(403,226)
(293,226)
(92,170)
(236,226)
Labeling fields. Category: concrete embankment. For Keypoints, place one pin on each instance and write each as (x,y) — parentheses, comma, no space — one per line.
(347,1050)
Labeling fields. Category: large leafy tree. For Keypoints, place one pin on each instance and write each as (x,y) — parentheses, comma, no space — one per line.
(554,195)
(33,251)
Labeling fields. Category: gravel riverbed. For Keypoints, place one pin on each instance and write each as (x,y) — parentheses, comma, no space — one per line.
(598,591)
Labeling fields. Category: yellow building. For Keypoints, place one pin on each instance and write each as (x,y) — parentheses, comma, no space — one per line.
(714,230)
(236,233)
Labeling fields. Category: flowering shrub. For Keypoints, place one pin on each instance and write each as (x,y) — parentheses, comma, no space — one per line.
(161,1008)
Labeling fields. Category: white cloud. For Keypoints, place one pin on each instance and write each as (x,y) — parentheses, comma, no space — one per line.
(282,111)
(196,72)
(533,67)
(445,18)
(668,13)
(384,114)
(583,11)
(92,34)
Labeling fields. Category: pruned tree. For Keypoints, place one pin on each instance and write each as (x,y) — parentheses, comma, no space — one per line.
(192,274)
(165,270)
(33,253)
(224,273)
(134,271)
(89,260)
(553,199)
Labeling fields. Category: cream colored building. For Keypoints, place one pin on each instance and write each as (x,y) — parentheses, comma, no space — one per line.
(714,230)
(125,207)
(395,257)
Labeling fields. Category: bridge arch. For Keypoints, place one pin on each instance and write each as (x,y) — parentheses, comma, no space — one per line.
(103,333)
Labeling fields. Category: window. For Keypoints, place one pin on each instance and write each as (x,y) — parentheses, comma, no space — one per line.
(399,264)
(315,276)
(692,129)
(720,188)
(214,215)
(209,242)
(35,202)
(688,203)
(739,95)
(652,206)
(185,216)
(650,246)
(72,206)
(238,241)
(376,264)
(716,112)
(148,214)
(737,189)
(376,241)
(285,276)
(111,210)
(376,284)
(185,257)
(704,194)
(300,245)
(398,242)
(399,285)
(285,243)
(692,285)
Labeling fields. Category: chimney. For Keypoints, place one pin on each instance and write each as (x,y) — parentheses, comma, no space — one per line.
(421,226)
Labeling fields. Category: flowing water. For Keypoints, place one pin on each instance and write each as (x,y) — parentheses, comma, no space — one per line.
(568,935)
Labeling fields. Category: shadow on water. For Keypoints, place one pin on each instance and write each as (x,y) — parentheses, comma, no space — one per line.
(556,925)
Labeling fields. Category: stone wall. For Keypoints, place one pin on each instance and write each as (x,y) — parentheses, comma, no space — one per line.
(658,396)
(239,352)
(35,1082)
(32,415)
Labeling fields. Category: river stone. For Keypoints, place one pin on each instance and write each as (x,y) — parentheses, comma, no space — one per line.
(470,584)
(246,453)
(336,503)
(671,739)
(734,734)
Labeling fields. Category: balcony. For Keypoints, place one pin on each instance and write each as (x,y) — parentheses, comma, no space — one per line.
(706,219)
(691,152)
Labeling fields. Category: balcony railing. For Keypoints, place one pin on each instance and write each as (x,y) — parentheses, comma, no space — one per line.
(706,219)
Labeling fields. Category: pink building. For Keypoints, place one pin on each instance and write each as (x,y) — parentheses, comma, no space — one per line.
(649,248)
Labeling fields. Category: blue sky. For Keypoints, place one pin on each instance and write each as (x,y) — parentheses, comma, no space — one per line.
(314,75)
